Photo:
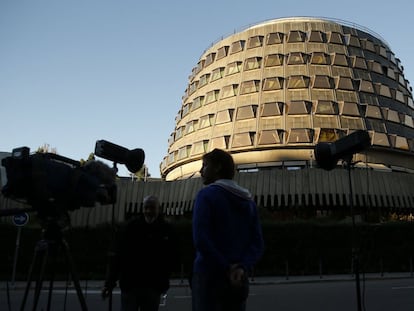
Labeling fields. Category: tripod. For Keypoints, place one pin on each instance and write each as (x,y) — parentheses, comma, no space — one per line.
(49,246)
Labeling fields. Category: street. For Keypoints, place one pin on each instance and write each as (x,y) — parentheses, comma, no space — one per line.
(379,294)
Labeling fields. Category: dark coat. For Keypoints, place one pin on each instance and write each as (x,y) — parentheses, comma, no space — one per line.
(143,255)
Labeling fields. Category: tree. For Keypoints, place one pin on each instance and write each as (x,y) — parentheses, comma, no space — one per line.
(142,174)
(45,148)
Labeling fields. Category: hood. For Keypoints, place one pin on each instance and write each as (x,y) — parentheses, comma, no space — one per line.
(233,187)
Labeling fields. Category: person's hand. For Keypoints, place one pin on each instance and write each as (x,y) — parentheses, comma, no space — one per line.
(106,291)
(237,275)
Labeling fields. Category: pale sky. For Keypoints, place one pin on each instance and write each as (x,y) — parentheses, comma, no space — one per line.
(73,72)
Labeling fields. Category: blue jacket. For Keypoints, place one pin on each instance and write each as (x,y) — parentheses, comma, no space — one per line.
(226,228)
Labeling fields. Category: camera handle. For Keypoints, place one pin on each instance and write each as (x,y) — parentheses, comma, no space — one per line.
(44,249)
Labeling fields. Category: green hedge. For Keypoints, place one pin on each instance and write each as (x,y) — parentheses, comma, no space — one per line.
(302,248)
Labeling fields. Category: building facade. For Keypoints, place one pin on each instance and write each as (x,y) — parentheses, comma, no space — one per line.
(271,92)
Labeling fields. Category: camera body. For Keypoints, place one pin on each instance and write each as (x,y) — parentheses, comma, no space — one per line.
(53,184)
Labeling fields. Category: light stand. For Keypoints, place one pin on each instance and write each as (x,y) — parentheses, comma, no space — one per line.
(355,252)
(327,155)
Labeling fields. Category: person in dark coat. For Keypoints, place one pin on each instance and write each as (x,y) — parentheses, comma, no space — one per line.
(227,237)
(142,259)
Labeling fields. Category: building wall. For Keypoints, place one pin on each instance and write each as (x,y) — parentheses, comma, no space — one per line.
(271,92)
(308,190)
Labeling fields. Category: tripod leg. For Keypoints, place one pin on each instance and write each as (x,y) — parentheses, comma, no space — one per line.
(39,283)
(74,276)
(52,278)
(29,280)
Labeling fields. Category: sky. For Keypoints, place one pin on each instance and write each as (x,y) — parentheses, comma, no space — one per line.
(77,71)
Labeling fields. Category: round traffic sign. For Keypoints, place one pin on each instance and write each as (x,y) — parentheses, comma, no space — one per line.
(20,219)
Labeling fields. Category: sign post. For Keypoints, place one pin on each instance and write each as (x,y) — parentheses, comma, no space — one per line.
(18,220)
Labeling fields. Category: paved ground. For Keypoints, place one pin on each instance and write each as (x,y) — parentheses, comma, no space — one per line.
(262,280)
(297,293)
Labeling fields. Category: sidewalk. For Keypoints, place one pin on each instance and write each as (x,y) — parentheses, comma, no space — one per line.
(260,280)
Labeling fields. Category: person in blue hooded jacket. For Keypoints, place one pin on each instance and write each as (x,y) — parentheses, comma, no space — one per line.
(227,237)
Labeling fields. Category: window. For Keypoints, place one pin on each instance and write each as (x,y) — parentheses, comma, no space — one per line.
(253,63)
(320,58)
(401,143)
(243,139)
(368,99)
(326,107)
(272,109)
(296,36)
(274,38)
(335,38)
(274,83)
(206,121)
(390,73)
(367,45)
(246,112)
(191,126)
(255,42)
(410,102)
(380,139)
(316,36)
(249,87)
(375,66)
(179,132)
(352,40)
(322,82)
(274,60)
(381,51)
(365,86)
(299,107)
(373,112)
(299,135)
(199,147)
(224,116)
(197,102)
(220,142)
(375,125)
(193,87)
(171,157)
(393,116)
(229,90)
(339,60)
(350,109)
(233,67)
(382,90)
(217,73)
(270,137)
(204,80)
(183,152)
(297,58)
(329,135)
(222,52)
(344,83)
(212,96)
(186,109)
(237,46)
(358,62)
(297,82)
(209,59)
(199,66)
(408,121)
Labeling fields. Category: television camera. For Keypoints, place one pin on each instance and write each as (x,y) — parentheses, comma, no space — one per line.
(53,184)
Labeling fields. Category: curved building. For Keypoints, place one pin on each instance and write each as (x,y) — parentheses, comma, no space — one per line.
(271,92)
